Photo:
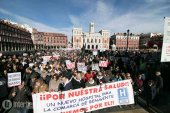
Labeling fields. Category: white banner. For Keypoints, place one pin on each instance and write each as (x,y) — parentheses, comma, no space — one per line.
(95,67)
(165,57)
(14,79)
(88,99)
(103,63)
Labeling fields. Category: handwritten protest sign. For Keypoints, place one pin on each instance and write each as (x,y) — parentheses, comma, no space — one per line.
(88,99)
(103,63)
(95,67)
(14,79)
(46,58)
(70,65)
(82,68)
(80,65)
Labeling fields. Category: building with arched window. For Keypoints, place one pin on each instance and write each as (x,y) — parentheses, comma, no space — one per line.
(124,42)
(91,40)
(14,37)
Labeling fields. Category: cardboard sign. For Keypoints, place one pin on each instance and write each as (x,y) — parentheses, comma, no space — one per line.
(46,58)
(103,63)
(14,79)
(84,100)
(95,67)
(70,65)
(95,52)
(80,65)
(68,61)
(82,69)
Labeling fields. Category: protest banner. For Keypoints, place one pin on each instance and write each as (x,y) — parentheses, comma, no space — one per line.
(70,65)
(88,99)
(95,67)
(14,79)
(103,63)
(165,57)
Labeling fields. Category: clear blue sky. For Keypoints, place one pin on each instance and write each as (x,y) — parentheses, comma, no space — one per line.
(140,16)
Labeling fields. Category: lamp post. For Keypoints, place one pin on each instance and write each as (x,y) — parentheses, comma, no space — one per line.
(127,38)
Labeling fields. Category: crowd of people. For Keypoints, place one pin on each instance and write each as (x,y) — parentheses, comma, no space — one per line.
(39,75)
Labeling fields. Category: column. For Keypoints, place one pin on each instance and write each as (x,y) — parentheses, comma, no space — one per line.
(5,47)
(1,46)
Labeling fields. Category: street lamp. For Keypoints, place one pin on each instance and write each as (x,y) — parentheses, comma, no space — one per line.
(127,38)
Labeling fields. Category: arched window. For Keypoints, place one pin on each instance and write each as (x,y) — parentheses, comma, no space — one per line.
(92,46)
(88,46)
(95,40)
(96,46)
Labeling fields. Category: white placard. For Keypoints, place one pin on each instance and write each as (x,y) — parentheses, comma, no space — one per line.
(95,52)
(95,67)
(82,69)
(103,63)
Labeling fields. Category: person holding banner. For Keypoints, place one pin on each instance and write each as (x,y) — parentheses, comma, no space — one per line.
(88,75)
(91,82)
(77,81)
(40,86)
(100,79)
(66,83)
(54,83)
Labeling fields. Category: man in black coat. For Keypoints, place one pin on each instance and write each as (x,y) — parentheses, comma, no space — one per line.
(159,85)
(66,84)
(78,82)
(20,94)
